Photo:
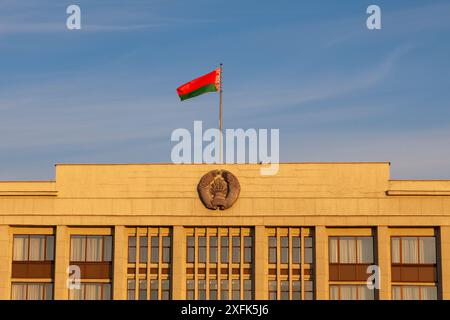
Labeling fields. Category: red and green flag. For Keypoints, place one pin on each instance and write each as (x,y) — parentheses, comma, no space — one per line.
(207,83)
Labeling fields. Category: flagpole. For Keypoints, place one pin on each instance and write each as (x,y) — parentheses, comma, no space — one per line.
(220,112)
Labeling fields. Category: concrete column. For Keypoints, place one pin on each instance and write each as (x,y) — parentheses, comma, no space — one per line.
(321,263)
(178,263)
(5,263)
(62,260)
(120,263)
(260,264)
(445,261)
(383,249)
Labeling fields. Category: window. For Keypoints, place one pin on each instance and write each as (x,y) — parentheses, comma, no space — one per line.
(236,249)
(213,249)
(224,250)
(201,290)
(308,249)
(248,289)
(190,290)
(353,250)
(284,250)
(414,292)
(33,248)
(414,250)
(296,249)
(248,249)
(166,249)
(202,249)
(131,289)
(143,249)
(190,250)
(91,248)
(272,249)
(31,291)
(154,249)
(212,289)
(351,292)
(296,290)
(272,290)
(91,291)
(154,289)
(284,290)
(165,292)
(143,289)
(309,290)
(236,289)
(131,249)
(224,289)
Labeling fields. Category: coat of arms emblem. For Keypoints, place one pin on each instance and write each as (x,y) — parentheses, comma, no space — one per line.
(218,189)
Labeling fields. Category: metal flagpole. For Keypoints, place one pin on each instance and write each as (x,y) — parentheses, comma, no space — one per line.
(220,112)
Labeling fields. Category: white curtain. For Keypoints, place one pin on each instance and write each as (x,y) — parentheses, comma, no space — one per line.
(396,293)
(20,248)
(427,249)
(94,248)
(35,292)
(93,291)
(347,250)
(410,293)
(334,293)
(77,248)
(18,291)
(410,250)
(364,246)
(333,249)
(395,250)
(429,293)
(37,248)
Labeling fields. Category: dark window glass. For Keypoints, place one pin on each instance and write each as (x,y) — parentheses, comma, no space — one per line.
(272,290)
(201,290)
(131,289)
(248,289)
(236,289)
(131,249)
(248,249)
(213,249)
(224,249)
(284,251)
(308,249)
(190,289)
(202,249)
(190,254)
(212,289)
(166,249)
(224,289)
(142,289)
(296,249)
(236,249)
(165,293)
(143,249)
(154,249)
(272,249)
(154,289)
(296,290)
(284,290)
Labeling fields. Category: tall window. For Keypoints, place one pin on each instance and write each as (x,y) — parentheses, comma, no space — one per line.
(213,249)
(131,249)
(351,250)
(414,250)
(190,251)
(33,248)
(143,249)
(91,249)
(31,291)
(224,250)
(291,267)
(150,272)
(219,263)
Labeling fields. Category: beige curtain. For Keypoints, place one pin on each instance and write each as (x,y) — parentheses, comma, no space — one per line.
(35,292)
(76,294)
(364,246)
(410,293)
(347,250)
(333,250)
(396,293)
(395,250)
(410,250)
(37,248)
(18,291)
(93,291)
(429,293)
(77,248)
(94,248)
(20,251)
(334,293)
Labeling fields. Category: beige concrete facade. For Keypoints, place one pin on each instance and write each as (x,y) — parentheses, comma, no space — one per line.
(329,198)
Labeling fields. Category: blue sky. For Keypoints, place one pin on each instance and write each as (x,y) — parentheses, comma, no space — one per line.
(336,91)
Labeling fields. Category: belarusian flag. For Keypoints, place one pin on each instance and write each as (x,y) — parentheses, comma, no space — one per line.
(208,83)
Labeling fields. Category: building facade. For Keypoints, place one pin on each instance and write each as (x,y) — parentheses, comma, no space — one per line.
(150,231)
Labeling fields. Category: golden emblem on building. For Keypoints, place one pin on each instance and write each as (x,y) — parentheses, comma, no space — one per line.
(218,189)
